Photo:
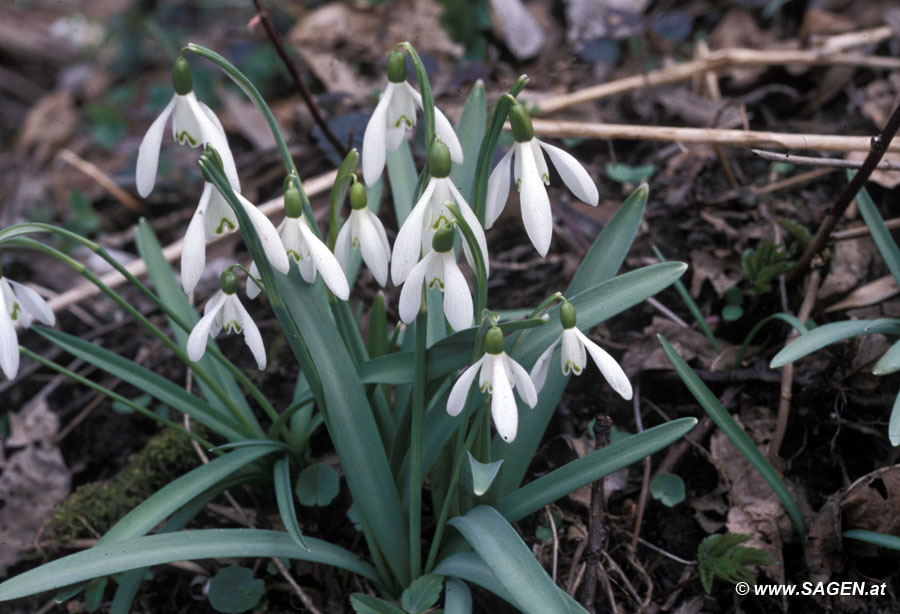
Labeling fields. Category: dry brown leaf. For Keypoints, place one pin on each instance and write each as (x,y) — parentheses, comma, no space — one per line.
(33,479)
(849,264)
(887,179)
(49,124)
(739,29)
(721,272)
(648,353)
(871,293)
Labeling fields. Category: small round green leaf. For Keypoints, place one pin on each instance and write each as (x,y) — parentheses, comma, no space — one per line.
(730,313)
(668,488)
(234,590)
(318,484)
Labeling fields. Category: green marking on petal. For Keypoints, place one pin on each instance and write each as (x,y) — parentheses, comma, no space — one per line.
(183,137)
(14,314)
(233,326)
(222,224)
(294,255)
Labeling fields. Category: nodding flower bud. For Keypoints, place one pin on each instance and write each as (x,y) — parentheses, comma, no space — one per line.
(439,160)
(493,341)
(567,315)
(396,67)
(442,241)
(228,281)
(293,204)
(357,196)
(181,77)
(213,156)
(520,121)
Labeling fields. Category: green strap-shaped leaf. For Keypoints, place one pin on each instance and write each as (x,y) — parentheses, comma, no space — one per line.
(122,555)
(874,537)
(827,334)
(738,437)
(155,385)
(515,568)
(889,361)
(403,177)
(894,423)
(457,597)
(284,496)
(587,469)
(470,129)
(470,567)
(880,233)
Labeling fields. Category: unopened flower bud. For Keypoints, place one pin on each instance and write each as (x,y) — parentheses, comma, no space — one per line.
(228,281)
(439,160)
(520,121)
(293,204)
(357,196)
(181,77)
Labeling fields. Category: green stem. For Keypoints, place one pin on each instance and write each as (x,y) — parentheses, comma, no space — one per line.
(345,174)
(115,396)
(242,418)
(415,449)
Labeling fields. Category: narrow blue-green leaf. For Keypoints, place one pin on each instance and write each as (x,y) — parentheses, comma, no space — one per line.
(827,334)
(366,604)
(784,317)
(689,302)
(884,540)
(880,233)
(403,177)
(284,496)
(889,361)
(122,555)
(155,385)
(738,437)
(594,305)
(457,597)
(588,469)
(470,129)
(470,567)
(482,474)
(170,292)
(504,552)
(611,246)
(249,443)
(17,230)
(894,423)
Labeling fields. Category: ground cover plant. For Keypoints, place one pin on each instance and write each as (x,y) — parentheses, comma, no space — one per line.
(375,409)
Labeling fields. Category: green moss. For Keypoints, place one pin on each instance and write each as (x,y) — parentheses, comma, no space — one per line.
(100,505)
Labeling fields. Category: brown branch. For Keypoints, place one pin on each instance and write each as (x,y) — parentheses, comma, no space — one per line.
(263,14)
(884,165)
(878,147)
(599,533)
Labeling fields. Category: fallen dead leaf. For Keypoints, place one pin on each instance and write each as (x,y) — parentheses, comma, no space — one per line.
(49,124)
(871,293)
(849,264)
(721,272)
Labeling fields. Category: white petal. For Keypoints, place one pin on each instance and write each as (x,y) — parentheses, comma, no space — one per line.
(251,335)
(210,114)
(408,244)
(539,161)
(343,244)
(572,358)
(472,220)
(503,405)
(402,112)
(573,174)
(445,131)
(193,249)
(411,294)
(268,236)
(542,366)
(9,342)
(332,273)
(253,289)
(213,135)
(460,391)
(608,367)
(498,190)
(371,245)
(148,152)
(457,298)
(220,217)
(185,129)
(32,302)
(523,382)
(535,203)
(373,147)
(393,137)
(196,344)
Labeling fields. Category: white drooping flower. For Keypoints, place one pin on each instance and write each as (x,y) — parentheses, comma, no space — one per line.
(224,311)
(299,242)
(214,217)
(573,356)
(365,232)
(531,175)
(393,116)
(430,213)
(438,269)
(18,303)
(499,375)
(193,124)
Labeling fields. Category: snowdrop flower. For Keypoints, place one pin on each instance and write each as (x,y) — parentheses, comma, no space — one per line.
(531,176)
(224,310)
(439,268)
(365,232)
(193,124)
(306,249)
(393,116)
(574,358)
(20,304)
(499,375)
(430,213)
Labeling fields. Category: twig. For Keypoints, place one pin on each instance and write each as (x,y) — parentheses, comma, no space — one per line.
(665,553)
(879,145)
(307,602)
(91,170)
(645,481)
(555,541)
(716,61)
(732,138)
(172,252)
(599,533)
(884,165)
(862,231)
(263,14)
